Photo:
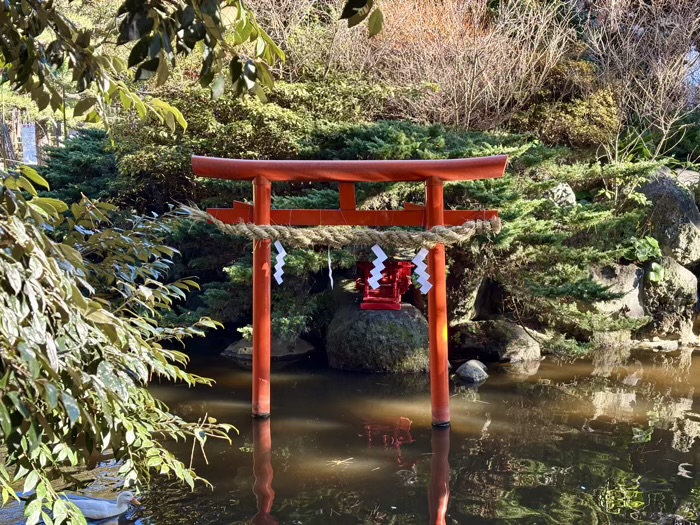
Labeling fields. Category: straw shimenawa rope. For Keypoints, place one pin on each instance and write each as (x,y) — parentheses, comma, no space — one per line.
(339,236)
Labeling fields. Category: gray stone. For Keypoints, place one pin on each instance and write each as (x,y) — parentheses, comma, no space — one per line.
(241,352)
(509,341)
(518,345)
(621,279)
(472,371)
(522,369)
(470,293)
(691,180)
(656,346)
(688,178)
(562,195)
(674,217)
(671,302)
(378,340)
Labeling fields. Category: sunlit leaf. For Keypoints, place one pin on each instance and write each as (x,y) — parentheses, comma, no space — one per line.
(34,176)
(376,22)
(71,406)
(83,106)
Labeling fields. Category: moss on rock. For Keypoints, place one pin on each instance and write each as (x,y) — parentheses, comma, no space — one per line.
(378,341)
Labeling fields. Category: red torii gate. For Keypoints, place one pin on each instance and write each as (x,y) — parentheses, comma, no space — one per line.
(433,172)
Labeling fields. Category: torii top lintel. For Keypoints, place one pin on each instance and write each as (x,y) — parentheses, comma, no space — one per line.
(351,170)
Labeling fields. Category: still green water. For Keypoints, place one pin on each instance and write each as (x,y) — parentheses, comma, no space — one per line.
(607,441)
(612,440)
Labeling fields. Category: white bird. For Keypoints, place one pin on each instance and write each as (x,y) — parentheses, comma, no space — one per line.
(99,509)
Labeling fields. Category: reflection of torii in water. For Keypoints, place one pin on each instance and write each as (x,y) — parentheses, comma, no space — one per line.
(439,488)
(390,435)
(262,469)
(438,492)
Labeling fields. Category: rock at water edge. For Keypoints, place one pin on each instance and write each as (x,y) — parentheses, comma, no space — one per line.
(472,371)
(503,339)
(671,302)
(241,352)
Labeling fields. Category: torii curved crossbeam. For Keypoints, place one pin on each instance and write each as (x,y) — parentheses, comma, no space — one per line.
(351,170)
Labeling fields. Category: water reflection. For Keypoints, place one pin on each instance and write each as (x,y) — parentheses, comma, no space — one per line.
(439,491)
(377,434)
(613,440)
(263,472)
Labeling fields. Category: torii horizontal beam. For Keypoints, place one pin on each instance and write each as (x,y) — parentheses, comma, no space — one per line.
(351,170)
(412,216)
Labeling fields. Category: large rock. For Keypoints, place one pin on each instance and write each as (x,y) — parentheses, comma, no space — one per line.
(688,178)
(378,340)
(472,371)
(671,302)
(691,180)
(625,280)
(562,196)
(675,218)
(505,340)
(282,352)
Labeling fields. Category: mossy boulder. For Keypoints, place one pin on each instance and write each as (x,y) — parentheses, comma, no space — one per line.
(501,339)
(675,218)
(671,302)
(378,340)
(624,280)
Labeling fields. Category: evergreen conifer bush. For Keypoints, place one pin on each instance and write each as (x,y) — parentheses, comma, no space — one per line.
(85,165)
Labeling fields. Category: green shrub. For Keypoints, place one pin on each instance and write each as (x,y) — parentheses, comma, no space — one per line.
(81,303)
(155,166)
(86,165)
(588,122)
(544,255)
(336,99)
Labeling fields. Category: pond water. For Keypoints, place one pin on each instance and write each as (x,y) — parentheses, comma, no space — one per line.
(607,441)
(612,440)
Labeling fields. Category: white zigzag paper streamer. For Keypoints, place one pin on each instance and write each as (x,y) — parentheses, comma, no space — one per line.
(421,267)
(376,272)
(281,254)
(330,268)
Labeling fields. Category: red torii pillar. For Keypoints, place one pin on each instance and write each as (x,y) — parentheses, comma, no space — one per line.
(433,172)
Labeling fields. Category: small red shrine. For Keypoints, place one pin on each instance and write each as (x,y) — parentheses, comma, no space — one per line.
(395,281)
(433,173)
